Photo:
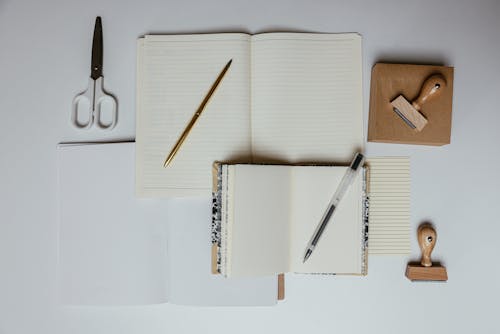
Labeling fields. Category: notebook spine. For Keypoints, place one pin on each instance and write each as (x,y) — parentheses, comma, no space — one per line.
(366,216)
(216,217)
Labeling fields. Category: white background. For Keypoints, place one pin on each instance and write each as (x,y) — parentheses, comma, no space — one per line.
(44,62)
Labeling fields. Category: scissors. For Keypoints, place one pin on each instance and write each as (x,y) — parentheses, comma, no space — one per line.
(94,96)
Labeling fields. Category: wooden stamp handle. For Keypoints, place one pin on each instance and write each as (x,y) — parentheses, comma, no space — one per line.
(426,240)
(431,89)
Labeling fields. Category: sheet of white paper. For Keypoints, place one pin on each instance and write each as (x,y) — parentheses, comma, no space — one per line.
(116,249)
(112,246)
(190,279)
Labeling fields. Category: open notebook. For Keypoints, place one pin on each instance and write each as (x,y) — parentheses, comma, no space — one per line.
(277,208)
(266,215)
(287,98)
(115,249)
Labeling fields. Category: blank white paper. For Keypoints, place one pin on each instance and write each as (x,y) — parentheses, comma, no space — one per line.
(112,246)
(116,249)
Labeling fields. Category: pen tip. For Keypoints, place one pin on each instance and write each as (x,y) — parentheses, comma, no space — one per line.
(308,253)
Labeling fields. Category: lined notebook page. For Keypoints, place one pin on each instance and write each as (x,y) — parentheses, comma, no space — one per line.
(174,75)
(389,216)
(306,97)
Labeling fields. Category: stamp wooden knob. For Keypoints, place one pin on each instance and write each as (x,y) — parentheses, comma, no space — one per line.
(425,270)
(431,89)
(426,240)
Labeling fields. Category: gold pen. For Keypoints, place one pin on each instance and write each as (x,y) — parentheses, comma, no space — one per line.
(196,115)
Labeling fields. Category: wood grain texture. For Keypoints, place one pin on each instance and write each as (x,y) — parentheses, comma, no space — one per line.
(391,80)
(426,241)
(213,257)
(281,286)
(416,272)
(431,89)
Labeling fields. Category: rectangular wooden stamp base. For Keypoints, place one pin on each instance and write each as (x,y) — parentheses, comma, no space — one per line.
(416,272)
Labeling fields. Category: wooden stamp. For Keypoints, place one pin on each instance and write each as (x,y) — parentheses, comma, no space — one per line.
(425,270)
(410,113)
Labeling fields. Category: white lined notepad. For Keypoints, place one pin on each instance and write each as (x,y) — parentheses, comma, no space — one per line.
(287,97)
(389,189)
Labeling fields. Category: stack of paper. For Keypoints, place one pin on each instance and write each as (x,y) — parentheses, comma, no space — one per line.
(116,249)
(389,188)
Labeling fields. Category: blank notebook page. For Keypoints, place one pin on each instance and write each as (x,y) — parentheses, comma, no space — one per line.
(306,97)
(174,75)
(340,247)
(260,220)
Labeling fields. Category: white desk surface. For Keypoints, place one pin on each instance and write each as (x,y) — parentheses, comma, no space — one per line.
(44,63)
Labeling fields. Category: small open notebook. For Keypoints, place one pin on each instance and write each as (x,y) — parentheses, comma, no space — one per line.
(287,98)
(266,214)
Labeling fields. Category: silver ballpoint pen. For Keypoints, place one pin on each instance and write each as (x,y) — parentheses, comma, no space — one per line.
(349,176)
